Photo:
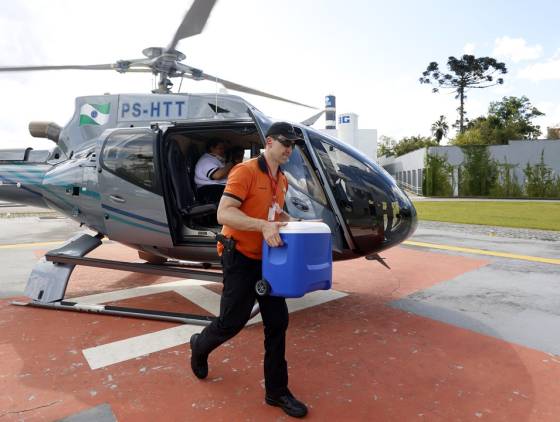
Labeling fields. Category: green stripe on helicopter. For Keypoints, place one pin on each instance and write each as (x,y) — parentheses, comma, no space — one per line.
(94,114)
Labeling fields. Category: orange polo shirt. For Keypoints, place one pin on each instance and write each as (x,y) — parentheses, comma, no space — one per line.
(250,183)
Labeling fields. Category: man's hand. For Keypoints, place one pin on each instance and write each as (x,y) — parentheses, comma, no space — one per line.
(271,234)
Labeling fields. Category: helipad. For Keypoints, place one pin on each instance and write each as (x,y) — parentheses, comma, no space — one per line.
(355,353)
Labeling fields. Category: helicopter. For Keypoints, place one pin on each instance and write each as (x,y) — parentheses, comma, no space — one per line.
(123,166)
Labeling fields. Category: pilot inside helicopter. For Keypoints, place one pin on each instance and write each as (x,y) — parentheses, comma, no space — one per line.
(212,169)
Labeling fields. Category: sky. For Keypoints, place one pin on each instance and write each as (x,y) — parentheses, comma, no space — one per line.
(369,53)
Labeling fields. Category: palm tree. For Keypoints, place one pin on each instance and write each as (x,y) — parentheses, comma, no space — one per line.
(440,128)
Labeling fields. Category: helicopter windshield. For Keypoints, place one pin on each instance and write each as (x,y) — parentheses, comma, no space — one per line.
(300,177)
(369,201)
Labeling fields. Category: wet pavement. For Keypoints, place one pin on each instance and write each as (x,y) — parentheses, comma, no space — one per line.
(442,335)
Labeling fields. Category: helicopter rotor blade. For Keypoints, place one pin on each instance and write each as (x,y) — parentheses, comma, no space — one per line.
(247,90)
(311,120)
(63,67)
(193,22)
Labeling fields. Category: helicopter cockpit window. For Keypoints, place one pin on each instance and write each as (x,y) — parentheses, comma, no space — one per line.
(354,187)
(301,176)
(131,157)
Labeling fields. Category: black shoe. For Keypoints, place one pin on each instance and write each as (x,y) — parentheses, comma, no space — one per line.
(199,363)
(288,403)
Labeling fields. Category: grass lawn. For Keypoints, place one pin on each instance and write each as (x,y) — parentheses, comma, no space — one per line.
(531,215)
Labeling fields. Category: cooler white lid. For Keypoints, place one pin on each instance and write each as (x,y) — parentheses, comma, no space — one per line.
(305,227)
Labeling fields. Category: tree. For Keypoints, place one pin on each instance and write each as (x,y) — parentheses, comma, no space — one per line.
(440,128)
(465,73)
(412,143)
(510,118)
(553,133)
(385,146)
(516,113)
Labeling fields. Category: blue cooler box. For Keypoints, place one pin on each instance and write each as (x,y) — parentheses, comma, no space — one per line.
(303,264)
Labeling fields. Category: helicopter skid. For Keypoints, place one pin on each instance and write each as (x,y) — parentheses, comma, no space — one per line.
(49,279)
(64,305)
(155,269)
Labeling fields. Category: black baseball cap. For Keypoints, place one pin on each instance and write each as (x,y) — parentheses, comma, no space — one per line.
(285,130)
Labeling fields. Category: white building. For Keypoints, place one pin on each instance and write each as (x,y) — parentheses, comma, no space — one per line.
(408,169)
(365,140)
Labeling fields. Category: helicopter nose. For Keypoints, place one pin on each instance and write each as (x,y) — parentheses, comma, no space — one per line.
(401,218)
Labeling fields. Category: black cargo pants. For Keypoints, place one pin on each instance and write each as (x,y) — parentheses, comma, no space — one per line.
(238,298)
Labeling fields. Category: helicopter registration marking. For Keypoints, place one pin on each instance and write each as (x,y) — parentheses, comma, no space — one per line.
(192,290)
(147,110)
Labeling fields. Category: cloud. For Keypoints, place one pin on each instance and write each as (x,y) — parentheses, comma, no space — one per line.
(516,49)
(469,48)
(547,70)
(551,117)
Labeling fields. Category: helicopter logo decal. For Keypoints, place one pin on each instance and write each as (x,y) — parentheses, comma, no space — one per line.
(94,114)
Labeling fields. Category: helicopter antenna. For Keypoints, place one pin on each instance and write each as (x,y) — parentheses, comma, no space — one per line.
(180,83)
(216,87)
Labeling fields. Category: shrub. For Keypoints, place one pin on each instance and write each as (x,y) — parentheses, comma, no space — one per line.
(506,185)
(479,172)
(540,181)
(435,180)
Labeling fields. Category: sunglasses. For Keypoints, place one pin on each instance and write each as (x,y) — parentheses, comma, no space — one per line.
(286,142)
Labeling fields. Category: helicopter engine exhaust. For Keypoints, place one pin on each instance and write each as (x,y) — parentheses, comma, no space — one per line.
(49,130)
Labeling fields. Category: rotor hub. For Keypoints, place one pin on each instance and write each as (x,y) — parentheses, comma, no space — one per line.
(155,52)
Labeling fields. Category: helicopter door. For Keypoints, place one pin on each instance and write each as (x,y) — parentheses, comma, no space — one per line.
(306,197)
(131,193)
(357,197)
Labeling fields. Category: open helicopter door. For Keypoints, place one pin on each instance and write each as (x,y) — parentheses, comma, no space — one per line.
(131,194)
(307,197)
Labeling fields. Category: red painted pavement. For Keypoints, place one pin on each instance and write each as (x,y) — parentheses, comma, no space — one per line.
(352,359)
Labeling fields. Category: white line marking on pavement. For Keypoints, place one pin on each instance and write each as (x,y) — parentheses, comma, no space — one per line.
(130,348)
(310,299)
(201,296)
(126,349)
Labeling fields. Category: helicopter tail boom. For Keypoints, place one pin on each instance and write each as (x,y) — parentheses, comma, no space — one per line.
(21,175)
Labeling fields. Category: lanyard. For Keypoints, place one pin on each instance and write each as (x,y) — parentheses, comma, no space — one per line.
(273,182)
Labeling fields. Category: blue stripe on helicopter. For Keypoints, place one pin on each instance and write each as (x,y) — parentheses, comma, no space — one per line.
(130,223)
(50,179)
(31,179)
(4,178)
(136,216)
(37,183)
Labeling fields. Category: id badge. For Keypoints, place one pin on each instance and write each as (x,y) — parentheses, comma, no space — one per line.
(271,213)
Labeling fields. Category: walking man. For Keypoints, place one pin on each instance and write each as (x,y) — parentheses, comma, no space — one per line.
(250,210)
